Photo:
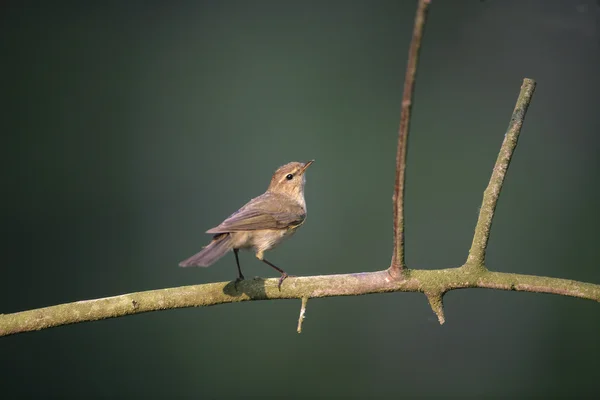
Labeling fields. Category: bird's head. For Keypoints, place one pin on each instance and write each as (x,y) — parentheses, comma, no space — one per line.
(289,179)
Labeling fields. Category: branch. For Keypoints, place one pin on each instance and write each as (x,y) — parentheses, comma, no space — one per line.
(302,314)
(397,278)
(398,263)
(424,281)
(476,257)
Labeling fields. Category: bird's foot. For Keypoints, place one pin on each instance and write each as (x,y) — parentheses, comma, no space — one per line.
(283,276)
(238,280)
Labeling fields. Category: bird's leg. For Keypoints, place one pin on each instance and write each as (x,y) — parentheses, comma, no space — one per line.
(282,272)
(237,261)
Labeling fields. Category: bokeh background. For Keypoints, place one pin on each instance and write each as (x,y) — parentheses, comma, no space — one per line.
(129,128)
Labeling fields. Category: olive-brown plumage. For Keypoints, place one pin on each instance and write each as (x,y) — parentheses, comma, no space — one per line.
(262,223)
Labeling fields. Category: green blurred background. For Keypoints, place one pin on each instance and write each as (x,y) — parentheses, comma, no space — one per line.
(129,128)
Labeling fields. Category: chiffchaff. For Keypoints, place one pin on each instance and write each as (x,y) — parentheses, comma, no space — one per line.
(262,223)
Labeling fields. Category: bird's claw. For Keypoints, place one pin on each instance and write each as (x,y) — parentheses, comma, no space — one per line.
(283,276)
(238,280)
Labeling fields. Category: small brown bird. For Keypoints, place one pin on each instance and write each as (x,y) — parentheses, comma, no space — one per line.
(262,223)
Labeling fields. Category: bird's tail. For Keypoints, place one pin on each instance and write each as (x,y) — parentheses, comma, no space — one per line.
(216,249)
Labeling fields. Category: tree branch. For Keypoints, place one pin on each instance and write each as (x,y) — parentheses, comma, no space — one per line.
(302,314)
(476,256)
(398,263)
(397,278)
(424,281)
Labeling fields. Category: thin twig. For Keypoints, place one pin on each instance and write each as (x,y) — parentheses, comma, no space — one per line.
(302,314)
(425,281)
(398,264)
(476,257)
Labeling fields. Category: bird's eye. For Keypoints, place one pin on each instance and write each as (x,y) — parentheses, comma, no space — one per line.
(289,177)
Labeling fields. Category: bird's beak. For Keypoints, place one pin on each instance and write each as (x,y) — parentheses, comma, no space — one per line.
(306,165)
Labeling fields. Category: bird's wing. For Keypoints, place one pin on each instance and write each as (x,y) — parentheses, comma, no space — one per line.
(248,219)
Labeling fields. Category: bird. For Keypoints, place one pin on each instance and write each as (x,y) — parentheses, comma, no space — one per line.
(262,223)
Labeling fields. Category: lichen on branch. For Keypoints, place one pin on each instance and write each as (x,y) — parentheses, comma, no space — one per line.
(423,281)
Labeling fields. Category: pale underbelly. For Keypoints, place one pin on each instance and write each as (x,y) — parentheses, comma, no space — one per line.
(260,240)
